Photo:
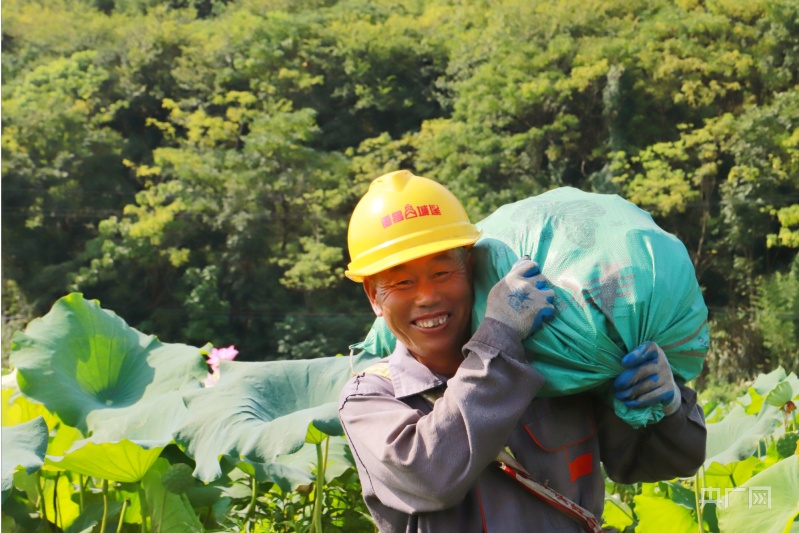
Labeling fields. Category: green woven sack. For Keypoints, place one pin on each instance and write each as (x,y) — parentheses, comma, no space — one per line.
(619,281)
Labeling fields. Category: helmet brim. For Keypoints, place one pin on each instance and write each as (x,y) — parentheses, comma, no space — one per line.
(409,254)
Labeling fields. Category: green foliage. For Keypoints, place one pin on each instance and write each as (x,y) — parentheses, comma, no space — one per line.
(193,163)
(59,167)
(713,393)
(171,512)
(102,377)
(783,505)
(311,336)
(735,348)
(265,443)
(25,445)
(125,476)
(264,410)
(786,444)
(207,309)
(741,459)
(17,312)
(778,315)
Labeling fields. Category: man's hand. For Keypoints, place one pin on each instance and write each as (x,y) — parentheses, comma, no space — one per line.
(521,299)
(648,379)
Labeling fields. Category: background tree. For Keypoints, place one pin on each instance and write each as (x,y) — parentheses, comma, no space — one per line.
(193,164)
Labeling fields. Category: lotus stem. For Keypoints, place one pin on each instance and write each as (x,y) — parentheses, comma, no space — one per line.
(697,491)
(321,459)
(158,527)
(143,509)
(42,503)
(105,506)
(327,450)
(122,515)
(253,500)
(81,492)
(55,499)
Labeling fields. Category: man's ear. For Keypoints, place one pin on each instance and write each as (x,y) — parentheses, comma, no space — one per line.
(371,292)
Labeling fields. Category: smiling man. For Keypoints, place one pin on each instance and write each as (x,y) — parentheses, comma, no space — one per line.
(427,424)
(426,303)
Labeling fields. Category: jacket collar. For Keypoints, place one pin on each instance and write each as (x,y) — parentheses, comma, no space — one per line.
(408,376)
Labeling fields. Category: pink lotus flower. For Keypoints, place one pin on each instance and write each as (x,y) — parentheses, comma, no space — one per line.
(216,356)
(221,354)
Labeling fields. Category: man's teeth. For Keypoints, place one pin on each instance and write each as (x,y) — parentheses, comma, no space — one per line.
(432,322)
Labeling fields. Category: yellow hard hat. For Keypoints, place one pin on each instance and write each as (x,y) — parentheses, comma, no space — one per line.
(404,217)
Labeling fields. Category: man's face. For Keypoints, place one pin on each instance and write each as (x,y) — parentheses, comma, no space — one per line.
(426,303)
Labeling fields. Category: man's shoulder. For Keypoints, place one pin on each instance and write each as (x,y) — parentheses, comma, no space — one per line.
(373,380)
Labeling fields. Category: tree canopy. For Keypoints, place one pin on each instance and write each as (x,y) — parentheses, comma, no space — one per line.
(193,164)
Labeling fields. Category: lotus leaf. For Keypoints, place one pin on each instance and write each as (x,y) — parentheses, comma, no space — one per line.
(732,474)
(767,502)
(617,514)
(171,513)
(18,409)
(296,469)
(765,383)
(654,511)
(89,518)
(123,461)
(24,445)
(785,391)
(261,411)
(86,365)
(736,437)
(60,499)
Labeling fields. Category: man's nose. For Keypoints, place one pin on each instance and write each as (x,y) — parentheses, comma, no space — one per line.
(426,292)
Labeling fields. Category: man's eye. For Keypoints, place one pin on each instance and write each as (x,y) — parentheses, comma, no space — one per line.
(442,273)
(403,283)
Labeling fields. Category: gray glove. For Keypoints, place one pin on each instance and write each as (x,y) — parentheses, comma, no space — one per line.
(648,380)
(521,300)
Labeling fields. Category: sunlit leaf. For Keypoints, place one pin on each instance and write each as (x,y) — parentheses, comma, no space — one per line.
(60,506)
(654,511)
(780,395)
(730,475)
(24,445)
(617,514)
(754,401)
(765,383)
(86,365)
(785,391)
(133,509)
(123,461)
(65,437)
(260,411)
(767,502)
(737,435)
(17,408)
(314,436)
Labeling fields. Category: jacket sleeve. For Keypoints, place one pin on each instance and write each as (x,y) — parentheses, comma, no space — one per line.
(420,462)
(674,447)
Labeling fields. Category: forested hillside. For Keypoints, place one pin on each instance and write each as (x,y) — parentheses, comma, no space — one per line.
(193,164)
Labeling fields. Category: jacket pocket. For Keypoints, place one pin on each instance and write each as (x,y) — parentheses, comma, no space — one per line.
(561,451)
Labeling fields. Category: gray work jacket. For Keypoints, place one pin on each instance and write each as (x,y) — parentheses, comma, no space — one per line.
(429,469)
